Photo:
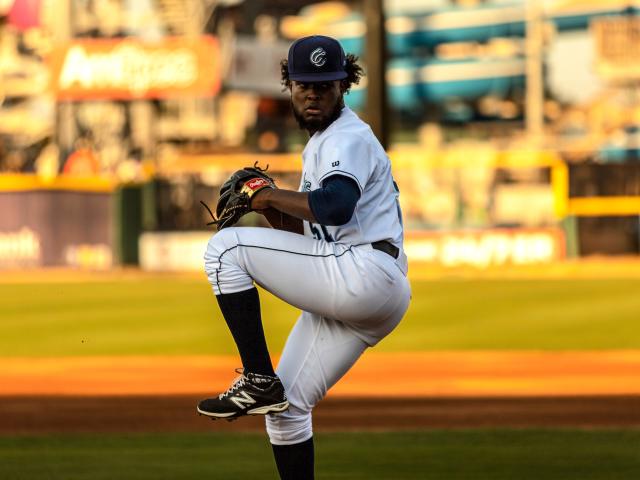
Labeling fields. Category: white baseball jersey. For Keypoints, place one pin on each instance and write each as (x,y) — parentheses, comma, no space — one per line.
(348,147)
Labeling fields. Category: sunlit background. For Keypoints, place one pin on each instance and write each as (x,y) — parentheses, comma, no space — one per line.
(512,126)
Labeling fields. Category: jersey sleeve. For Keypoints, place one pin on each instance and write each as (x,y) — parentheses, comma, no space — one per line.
(334,202)
(347,155)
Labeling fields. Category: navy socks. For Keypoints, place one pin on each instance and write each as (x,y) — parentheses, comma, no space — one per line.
(295,462)
(241,311)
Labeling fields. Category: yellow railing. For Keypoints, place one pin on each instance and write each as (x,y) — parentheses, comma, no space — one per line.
(604,206)
(24,182)
(411,157)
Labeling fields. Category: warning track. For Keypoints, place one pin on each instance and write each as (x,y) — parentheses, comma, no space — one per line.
(420,374)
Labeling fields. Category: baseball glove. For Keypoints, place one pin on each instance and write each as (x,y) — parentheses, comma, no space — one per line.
(236,194)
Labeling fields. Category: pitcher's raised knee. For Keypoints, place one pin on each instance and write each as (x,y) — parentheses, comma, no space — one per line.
(222,264)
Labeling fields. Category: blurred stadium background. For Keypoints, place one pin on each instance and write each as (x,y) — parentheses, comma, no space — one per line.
(510,145)
(513,127)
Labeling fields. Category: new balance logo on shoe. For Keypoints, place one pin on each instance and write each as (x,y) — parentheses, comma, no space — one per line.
(242,400)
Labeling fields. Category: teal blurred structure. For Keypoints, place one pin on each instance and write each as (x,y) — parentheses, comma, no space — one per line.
(416,74)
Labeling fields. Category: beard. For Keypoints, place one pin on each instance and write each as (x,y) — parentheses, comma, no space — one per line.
(321,123)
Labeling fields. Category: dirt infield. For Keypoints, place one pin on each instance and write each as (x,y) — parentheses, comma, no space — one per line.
(383,392)
(176,413)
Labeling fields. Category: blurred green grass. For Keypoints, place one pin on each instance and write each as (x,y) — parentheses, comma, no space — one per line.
(477,454)
(179,316)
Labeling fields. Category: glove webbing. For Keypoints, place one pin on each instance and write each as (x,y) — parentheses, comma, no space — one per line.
(218,220)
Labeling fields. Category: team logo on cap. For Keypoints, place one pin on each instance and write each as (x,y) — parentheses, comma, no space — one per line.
(318,57)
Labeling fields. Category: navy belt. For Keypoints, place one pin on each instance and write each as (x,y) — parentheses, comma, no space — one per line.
(386,247)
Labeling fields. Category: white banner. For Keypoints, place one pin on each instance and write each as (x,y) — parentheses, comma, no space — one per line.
(184,251)
(486,248)
(173,251)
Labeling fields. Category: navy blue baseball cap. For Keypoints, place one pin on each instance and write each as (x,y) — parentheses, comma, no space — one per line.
(316,59)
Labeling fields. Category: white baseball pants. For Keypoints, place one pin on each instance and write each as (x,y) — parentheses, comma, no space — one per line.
(351,297)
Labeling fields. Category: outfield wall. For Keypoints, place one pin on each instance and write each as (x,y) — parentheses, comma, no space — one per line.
(40,228)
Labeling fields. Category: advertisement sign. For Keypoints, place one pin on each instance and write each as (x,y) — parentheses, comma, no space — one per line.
(176,251)
(55,228)
(20,248)
(173,251)
(128,68)
(486,248)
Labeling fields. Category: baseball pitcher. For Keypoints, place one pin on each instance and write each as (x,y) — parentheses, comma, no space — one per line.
(335,252)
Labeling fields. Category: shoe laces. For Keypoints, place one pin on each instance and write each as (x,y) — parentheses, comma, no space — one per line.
(238,382)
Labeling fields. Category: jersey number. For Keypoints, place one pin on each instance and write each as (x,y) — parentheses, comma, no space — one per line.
(320,234)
